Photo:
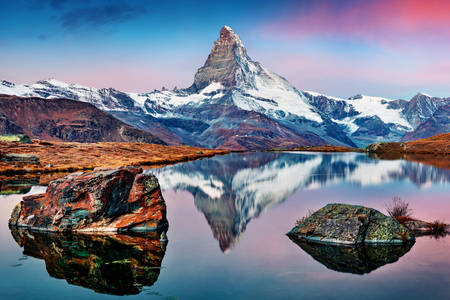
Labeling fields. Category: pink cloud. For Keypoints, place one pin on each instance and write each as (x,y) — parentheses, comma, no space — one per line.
(382,19)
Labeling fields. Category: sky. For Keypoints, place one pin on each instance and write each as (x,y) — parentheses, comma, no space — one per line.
(389,48)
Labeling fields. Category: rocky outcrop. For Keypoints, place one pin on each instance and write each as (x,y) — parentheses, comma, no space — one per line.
(114,264)
(351,225)
(221,65)
(358,259)
(391,147)
(104,200)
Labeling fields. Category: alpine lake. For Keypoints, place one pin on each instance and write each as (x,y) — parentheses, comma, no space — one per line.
(228,218)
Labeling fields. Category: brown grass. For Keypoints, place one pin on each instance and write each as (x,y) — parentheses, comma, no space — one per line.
(436,144)
(70,157)
(403,219)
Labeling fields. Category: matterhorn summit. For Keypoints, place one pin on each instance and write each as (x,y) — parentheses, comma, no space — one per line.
(223,61)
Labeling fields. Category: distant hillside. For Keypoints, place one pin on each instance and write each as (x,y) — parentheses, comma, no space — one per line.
(65,120)
(438,144)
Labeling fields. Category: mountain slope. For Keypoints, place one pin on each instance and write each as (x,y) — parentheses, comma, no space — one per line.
(65,120)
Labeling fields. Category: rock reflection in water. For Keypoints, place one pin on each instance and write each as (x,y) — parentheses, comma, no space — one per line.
(113,264)
(359,259)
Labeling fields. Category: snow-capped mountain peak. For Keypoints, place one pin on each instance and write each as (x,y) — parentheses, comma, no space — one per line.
(423,94)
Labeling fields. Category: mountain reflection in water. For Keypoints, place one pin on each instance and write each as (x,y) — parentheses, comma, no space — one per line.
(358,259)
(112,264)
(231,190)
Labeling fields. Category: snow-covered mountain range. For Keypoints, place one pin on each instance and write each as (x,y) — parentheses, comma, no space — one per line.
(236,103)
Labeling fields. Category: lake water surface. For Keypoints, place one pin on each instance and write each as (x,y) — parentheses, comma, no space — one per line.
(228,217)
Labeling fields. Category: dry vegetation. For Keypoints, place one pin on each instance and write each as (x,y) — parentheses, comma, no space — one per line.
(399,208)
(439,144)
(308,214)
(69,157)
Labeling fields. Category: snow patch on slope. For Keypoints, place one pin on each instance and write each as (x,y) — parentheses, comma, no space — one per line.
(369,106)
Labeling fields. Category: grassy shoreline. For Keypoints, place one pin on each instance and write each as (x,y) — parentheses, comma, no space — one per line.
(63,157)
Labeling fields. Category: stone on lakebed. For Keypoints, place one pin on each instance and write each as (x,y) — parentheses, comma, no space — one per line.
(350,225)
(21,158)
(120,200)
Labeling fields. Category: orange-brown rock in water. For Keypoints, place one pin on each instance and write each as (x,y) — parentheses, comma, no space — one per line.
(121,199)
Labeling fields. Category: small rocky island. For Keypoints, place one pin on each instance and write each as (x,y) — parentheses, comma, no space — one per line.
(345,224)
(105,200)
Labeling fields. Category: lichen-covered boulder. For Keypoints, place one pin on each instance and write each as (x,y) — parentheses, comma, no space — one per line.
(121,199)
(351,224)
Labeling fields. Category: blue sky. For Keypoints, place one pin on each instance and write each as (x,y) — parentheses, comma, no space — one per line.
(389,48)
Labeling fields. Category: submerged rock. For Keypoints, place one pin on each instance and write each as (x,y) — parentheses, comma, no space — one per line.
(21,158)
(351,224)
(115,264)
(356,259)
(121,199)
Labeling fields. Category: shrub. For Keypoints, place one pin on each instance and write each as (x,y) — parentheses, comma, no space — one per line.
(398,208)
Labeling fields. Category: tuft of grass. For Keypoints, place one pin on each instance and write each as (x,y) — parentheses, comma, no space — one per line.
(308,214)
(399,208)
